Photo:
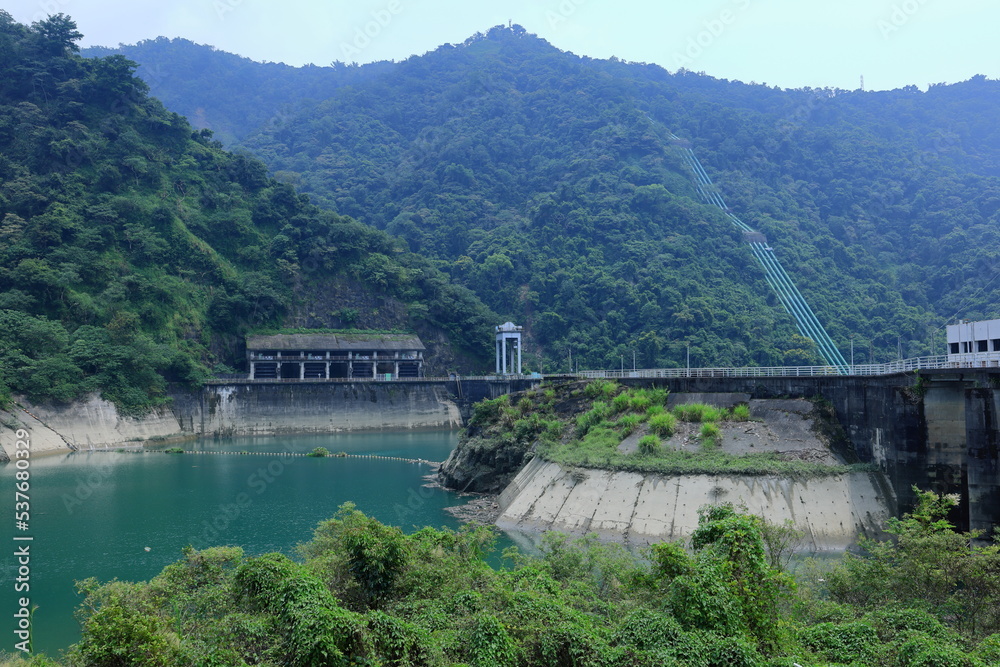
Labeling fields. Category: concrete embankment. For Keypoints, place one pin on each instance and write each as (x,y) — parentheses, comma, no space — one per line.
(234,409)
(639,509)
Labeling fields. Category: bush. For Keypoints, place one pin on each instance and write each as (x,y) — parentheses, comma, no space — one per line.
(710,435)
(621,403)
(649,445)
(844,643)
(988,650)
(488,411)
(319,452)
(697,412)
(663,424)
(628,424)
(598,412)
(173,450)
(740,413)
(600,388)
(920,650)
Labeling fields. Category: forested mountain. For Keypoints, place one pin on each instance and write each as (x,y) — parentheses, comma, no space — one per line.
(548,184)
(135,251)
(227,93)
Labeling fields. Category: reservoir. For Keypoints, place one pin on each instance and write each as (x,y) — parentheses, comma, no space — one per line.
(94,514)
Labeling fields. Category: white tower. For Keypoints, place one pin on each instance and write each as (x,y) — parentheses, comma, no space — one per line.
(508,339)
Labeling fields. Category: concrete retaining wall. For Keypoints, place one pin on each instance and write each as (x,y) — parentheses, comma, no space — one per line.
(236,409)
(639,509)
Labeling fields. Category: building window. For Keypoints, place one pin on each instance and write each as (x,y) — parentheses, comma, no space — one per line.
(966,347)
(996,344)
(981,346)
(953,348)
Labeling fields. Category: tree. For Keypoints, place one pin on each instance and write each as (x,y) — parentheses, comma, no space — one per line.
(927,566)
(58,34)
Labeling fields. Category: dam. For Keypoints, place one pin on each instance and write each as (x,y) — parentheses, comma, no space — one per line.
(937,429)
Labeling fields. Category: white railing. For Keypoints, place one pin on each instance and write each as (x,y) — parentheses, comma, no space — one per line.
(943,361)
(971,360)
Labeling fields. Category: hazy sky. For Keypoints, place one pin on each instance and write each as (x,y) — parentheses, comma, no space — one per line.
(791,43)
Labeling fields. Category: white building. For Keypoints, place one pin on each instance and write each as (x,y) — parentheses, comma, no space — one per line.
(974,344)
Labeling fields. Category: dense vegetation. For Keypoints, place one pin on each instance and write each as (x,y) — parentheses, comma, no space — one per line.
(245,95)
(548,184)
(588,424)
(368,594)
(134,251)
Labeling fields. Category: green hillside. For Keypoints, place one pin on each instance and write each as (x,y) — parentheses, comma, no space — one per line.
(548,184)
(134,251)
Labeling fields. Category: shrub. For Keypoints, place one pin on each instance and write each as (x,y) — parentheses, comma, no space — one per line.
(920,650)
(639,401)
(319,452)
(488,410)
(740,413)
(490,644)
(988,650)
(597,414)
(173,450)
(628,424)
(600,388)
(649,445)
(621,402)
(658,396)
(844,643)
(663,424)
(697,412)
(710,435)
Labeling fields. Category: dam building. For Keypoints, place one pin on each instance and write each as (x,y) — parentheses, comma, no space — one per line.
(335,356)
(974,344)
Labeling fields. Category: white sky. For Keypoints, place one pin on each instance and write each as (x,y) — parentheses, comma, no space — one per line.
(790,43)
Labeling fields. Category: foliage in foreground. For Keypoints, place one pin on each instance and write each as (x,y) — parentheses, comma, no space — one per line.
(368,594)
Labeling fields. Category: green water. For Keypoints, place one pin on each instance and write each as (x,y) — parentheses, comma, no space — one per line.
(94,514)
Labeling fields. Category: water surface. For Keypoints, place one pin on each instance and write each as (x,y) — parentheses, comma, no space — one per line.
(96,514)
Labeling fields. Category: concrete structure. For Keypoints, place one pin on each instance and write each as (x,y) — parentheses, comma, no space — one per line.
(508,341)
(940,431)
(643,508)
(335,356)
(974,344)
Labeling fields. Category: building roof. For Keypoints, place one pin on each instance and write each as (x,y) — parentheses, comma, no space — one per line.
(335,342)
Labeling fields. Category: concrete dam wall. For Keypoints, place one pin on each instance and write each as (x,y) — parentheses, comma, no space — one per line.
(639,509)
(938,431)
(236,409)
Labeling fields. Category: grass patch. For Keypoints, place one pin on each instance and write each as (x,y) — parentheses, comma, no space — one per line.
(596,415)
(739,413)
(663,424)
(627,424)
(697,413)
(602,453)
(601,389)
(173,450)
(649,445)
(711,436)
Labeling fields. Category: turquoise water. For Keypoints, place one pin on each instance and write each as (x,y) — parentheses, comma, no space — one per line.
(94,514)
